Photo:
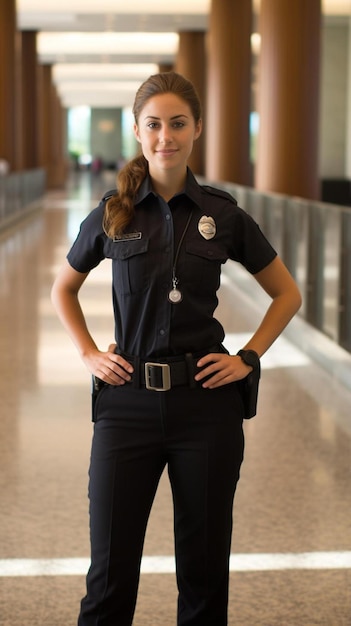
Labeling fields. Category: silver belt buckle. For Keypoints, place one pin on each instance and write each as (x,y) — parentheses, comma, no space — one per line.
(166,376)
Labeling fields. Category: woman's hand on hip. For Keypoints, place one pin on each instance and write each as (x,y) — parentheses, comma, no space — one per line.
(222,370)
(110,367)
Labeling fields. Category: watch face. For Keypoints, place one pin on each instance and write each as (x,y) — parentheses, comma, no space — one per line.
(249,357)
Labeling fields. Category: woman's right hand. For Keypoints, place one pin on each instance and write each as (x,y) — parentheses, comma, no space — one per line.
(110,367)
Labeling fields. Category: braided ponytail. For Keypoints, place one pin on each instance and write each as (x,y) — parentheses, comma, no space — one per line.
(119,208)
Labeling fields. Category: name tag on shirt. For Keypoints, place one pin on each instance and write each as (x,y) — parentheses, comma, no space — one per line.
(127,237)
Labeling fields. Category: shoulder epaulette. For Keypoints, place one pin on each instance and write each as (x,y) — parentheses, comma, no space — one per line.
(218,192)
(109,195)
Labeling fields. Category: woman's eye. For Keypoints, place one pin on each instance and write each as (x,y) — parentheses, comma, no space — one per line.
(154,125)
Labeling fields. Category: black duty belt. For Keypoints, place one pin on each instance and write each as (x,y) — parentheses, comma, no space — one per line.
(163,373)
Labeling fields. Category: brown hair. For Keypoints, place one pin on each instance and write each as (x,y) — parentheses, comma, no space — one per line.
(119,208)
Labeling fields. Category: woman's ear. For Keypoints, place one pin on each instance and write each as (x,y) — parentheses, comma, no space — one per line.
(198,129)
(136,132)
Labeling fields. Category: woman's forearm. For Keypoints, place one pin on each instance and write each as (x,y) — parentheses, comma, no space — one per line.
(278,283)
(64,296)
(281,310)
(71,315)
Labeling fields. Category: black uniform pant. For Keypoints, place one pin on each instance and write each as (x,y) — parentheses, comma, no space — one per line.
(198,434)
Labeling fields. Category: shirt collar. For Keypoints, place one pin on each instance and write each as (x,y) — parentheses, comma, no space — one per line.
(144,190)
(192,189)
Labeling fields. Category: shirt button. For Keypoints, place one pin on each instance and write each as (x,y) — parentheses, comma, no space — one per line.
(162,332)
(168,217)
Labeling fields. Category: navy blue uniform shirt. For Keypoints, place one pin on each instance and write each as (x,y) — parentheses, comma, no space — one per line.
(146,323)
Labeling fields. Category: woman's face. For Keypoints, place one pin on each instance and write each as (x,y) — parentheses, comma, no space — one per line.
(166,130)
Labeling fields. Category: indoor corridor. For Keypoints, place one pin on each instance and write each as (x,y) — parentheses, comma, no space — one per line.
(291,549)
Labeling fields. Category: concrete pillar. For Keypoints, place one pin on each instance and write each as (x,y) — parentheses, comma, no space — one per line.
(8,81)
(57,166)
(18,106)
(29,76)
(288,97)
(51,129)
(44,116)
(191,63)
(229,91)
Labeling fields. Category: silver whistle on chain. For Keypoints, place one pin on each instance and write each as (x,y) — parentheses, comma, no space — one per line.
(175,295)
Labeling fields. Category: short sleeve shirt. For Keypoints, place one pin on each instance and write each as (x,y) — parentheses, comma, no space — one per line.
(161,241)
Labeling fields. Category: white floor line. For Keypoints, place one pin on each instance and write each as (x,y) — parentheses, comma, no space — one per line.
(166,564)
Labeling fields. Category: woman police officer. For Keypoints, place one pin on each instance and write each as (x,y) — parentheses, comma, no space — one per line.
(170,391)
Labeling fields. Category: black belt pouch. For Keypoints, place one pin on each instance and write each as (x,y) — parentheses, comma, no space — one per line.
(248,388)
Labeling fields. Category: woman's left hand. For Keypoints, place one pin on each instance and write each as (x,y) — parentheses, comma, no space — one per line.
(222,369)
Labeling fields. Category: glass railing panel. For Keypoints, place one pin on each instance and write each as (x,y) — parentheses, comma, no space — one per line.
(295,243)
(345,281)
(331,269)
(314,241)
(17,191)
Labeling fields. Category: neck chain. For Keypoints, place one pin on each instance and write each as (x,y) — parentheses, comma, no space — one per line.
(175,295)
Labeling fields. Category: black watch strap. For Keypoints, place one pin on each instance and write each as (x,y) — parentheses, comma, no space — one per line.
(250,357)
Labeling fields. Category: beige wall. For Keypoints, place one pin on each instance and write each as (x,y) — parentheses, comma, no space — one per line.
(333,109)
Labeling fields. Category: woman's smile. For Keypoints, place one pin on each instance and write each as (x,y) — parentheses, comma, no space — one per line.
(166,151)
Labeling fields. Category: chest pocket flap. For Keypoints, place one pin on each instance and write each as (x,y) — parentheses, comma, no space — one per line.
(204,266)
(206,250)
(131,274)
(125,248)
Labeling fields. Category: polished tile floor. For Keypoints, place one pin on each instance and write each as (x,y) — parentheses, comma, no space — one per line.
(291,563)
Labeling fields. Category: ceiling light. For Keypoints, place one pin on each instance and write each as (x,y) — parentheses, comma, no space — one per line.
(107,43)
(103,71)
(118,6)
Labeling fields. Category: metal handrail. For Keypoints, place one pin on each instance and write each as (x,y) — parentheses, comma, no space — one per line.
(314,241)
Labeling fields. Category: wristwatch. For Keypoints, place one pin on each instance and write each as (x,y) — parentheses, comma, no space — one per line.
(250,357)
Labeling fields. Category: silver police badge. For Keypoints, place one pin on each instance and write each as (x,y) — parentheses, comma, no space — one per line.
(207,227)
